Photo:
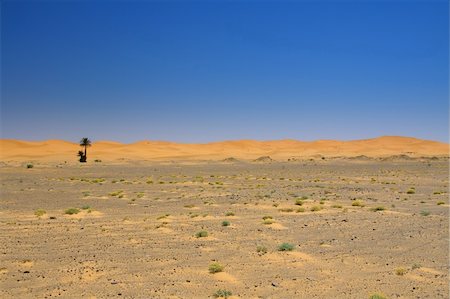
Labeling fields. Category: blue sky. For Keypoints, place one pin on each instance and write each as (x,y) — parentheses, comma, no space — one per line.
(207,71)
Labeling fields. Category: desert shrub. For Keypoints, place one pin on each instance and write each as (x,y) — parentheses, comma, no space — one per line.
(286,210)
(286,247)
(116,193)
(72,211)
(215,268)
(268,221)
(97,160)
(336,206)
(222,294)
(379,208)
(85,207)
(411,191)
(400,271)
(261,249)
(299,202)
(201,234)
(300,210)
(376,296)
(316,208)
(30,165)
(229,214)
(357,203)
(162,216)
(40,212)
(416,266)
(424,213)
(225,223)
(440,203)
(267,217)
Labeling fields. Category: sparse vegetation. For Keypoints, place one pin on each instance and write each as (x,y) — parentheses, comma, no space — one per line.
(225,223)
(439,203)
(261,249)
(229,214)
(201,234)
(378,208)
(286,247)
(400,271)
(299,202)
(215,268)
(377,296)
(222,294)
(40,212)
(72,211)
(424,213)
(316,208)
(268,221)
(29,165)
(357,203)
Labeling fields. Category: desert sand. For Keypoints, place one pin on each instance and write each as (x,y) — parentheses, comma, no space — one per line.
(359,219)
(58,150)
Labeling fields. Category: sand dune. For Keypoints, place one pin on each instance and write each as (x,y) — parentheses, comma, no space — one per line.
(59,150)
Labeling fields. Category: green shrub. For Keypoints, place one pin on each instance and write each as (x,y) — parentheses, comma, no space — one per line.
(222,294)
(85,207)
(72,211)
(424,213)
(225,223)
(286,247)
(30,165)
(215,268)
(40,212)
(201,234)
(440,203)
(229,214)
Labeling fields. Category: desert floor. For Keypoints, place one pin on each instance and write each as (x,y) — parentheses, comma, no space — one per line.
(357,228)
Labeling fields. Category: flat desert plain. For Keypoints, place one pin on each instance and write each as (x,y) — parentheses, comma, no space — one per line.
(304,228)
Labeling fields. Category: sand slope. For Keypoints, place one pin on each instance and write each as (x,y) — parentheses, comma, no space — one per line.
(59,150)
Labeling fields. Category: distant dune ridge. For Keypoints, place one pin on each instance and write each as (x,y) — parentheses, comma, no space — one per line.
(59,150)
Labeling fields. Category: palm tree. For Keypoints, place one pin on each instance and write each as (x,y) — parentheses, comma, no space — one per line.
(85,142)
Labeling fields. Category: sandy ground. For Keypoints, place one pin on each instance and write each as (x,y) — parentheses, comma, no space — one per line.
(135,237)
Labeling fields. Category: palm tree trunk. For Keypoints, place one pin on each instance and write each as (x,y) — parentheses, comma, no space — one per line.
(85,152)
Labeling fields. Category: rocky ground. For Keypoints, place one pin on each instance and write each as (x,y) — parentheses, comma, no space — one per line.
(352,229)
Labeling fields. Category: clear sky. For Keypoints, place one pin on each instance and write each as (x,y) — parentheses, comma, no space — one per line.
(214,70)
